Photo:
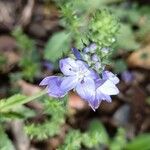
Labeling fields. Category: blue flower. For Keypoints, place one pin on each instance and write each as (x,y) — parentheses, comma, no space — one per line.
(77,54)
(77,76)
(104,88)
(53,86)
(110,76)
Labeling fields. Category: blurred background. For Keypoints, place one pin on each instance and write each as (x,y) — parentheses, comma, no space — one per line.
(32,40)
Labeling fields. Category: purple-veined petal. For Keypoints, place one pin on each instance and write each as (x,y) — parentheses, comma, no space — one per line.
(76,53)
(69,83)
(46,80)
(82,65)
(94,104)
(108,88)
(109,75)
(106,98)
(93,74)
(86,89)
(101,96)
(53,87)
(90,73)
(68,66)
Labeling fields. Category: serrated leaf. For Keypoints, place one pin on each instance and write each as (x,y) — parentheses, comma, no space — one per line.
(6,104)
(72,141)
(97,127)
(56,46)
(55,109)
(95,135)
(19,113)
(17,100)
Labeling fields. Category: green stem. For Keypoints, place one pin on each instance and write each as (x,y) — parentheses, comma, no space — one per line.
(22,101)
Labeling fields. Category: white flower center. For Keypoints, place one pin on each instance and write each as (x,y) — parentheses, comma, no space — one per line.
(81,74)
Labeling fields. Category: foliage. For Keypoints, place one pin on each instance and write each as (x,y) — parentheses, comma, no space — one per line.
(140,142)
(56,46)
(12,108)
(119,141)
(95,135)
(5,142)
(30,59)
(120,66)
(81,26)
(103,28)
(127,39)
(52,125)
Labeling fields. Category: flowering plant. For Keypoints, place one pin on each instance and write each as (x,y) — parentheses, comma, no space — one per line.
(84,70)
(81,74)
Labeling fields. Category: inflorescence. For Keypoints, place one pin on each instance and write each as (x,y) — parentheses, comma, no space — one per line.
(82,74)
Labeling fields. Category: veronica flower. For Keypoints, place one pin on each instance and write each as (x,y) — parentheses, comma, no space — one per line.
(77,54)
(104,88)
(110,76)
(77,76)
(53,86)
(85,81)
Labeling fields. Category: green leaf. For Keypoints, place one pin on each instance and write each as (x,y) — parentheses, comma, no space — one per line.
(126,39)
(72,141)
(55,111)
(5,142)
(56,46)
(119,141)
(96,135)
(142,142)
(17,100)
(19,113)
(120,66)
(6,104)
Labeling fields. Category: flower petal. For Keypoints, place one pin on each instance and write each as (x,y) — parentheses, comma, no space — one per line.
(94,104)
(93,74)
(53,87)
(101,96)
(86,89)
(68,66)
(82,66)
(108,88)
(69,83)
(76,53)
(109,75)
(46,80)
